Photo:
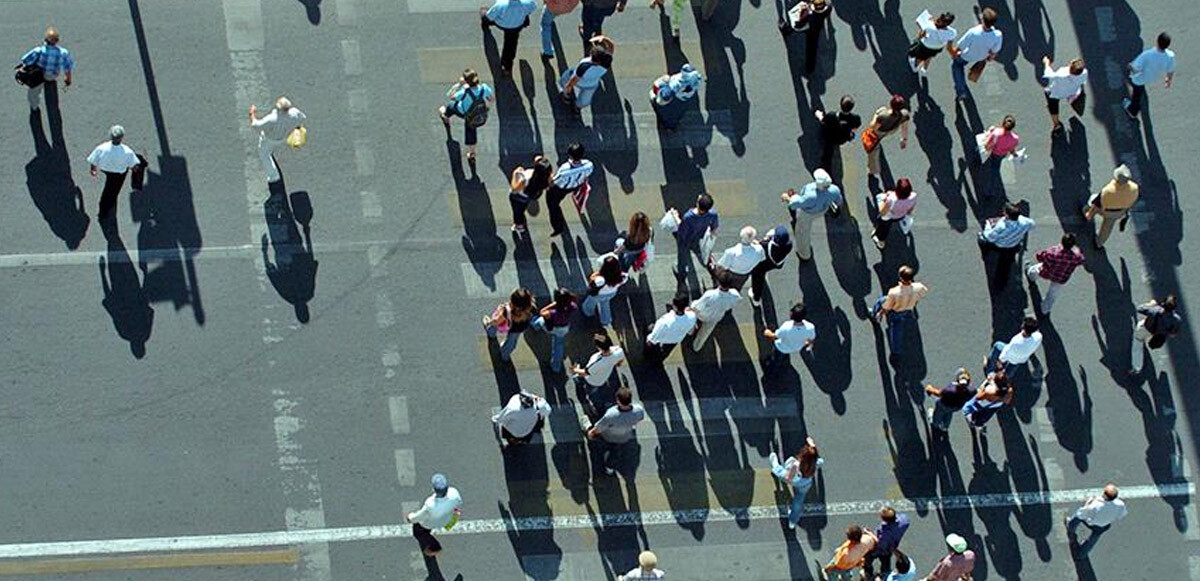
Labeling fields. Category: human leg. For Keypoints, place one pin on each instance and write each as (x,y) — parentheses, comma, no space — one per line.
(958,70)
(112,188)
(589,306)
(1107,220)
(897,326)
(583,95)
(518,202)
(1086,547)
(758,281)
(34,95)
(266,150)
(1133,104)
(942,416)
(883,227)
(702,333)
(508,51)
(558,345)
(993,358)
(547,26)
(509,345)
(604,306)
(803,230)
(1051,296)
(873,159)
(428,543)
(811,39)
(554,199)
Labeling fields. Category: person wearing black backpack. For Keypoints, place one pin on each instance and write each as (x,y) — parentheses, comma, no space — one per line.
(468,98)
(42,65)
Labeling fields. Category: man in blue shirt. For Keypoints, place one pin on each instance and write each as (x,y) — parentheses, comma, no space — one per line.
(811,201)
(510,16)
(891,529)
(1005,235)
(53,60)
(692,226)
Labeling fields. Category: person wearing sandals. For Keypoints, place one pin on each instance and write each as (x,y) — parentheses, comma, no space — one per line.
(635,246)
(579,83)
(555,319)
(933,36)
(894,206)
(511,318)
(468,98)
(527,185)
(602,287)
(799,471)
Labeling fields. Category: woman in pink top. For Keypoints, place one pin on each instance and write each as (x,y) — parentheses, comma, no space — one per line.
(1001,141)
(894,206)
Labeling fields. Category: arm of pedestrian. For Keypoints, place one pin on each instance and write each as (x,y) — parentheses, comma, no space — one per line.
(1166,82)
(931,390)
(769,334)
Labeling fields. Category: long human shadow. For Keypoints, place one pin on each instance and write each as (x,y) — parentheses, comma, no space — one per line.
(1157,221)
(518,135)
(528,479)
(724,61)
(169,229)
(1164,448)
(1024,465)
(889,45)
(484,248)
(999,539)
(1070,410)
(679,460)
(981,184)
(48,175)
(934,138)
(911,463)
(312,9)
(808,95)
(293,273)
(617,539)
(615,152)
(1035,33)
(829,362)
(860,16)
(124,295)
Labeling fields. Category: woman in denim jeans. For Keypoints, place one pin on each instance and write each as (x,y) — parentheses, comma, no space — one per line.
(511,318)
(800,471)
(602,287)
(555,319)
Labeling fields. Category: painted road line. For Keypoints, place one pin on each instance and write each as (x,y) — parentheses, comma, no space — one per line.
(633,60)
(1193,532)
(390,359)
(372,208)
(141,562)
(237,252)
(398,412)
(1194,567)
(347,12)
(445,6)
(301,487)
(352,57)
(406,467)
(525,359)
(732,198)
(565,426)
(364,157)
(483,526)
(636,131)
(243,25)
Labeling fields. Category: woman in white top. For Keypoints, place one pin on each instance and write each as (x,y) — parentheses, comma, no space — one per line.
(602,286)
(894,206)
(580,82)
(274,129)
(933,36)
(1064,83)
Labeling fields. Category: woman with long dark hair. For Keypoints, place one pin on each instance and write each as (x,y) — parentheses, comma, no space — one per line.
(602,287)
(799,471)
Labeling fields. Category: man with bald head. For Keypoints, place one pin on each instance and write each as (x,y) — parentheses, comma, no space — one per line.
(53,60)
(1098,514)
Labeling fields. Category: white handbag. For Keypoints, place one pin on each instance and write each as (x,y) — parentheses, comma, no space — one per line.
(906,224)
(707,242)
(670,220)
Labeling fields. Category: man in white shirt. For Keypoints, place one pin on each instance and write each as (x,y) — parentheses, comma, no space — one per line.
(792,336)
(1157,62)
(273,131)
(740,259)
(114,159)
(524,414)
(439,511)
(711,308)
(1065,83)
(592,380)
(978,45)
(670,329)
(1017,351)
(647,569)
(1098,514)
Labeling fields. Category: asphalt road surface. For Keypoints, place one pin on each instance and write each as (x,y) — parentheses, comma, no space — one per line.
(238,361)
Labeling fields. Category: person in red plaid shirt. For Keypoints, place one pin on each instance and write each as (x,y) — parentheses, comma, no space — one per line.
(1055,264)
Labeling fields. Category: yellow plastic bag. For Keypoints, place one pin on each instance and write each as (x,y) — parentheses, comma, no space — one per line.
(297,138)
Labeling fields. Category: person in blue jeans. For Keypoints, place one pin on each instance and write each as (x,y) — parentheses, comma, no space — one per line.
(692,226)
(800,472)
(555,319)
(602,287)
(511,318)
(979,44)
(898,305)
(552,9)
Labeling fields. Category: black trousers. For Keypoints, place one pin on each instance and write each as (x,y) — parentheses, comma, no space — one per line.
(508,51)
(519,202)
(1137,93)
(554,198)
(758,277)
(655,352)
(885,564)
(429,544)
(113,182)
(883,227)
(1005,257)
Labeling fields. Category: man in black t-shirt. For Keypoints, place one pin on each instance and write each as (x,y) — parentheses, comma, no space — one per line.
(950,400)
(837,129)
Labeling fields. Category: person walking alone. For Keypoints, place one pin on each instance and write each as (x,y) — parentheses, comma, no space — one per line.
(792,336)
(615,428)
(886,121)
(510,16)
(1159,322)
(898,307)
(894,206)
(1112,203)
(579,83)
(468,98)
(978,45)
(1054,264)
(635,246)
(526,186)
(813,200)
(1014,354)
(669,330)
(273,130)
(1153,64)
(647,569)
(711,308)
(555,319)
(524,414)
(837,129)
(807,16)
(114,158)
(776,248)
(571,176)
(1005,235)
(798,471)
(53,60)
(1064,84)
(1098,514)
(439,511)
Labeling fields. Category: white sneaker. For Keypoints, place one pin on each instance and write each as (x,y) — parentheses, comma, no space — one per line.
(922,72)
(929,415)
(774,459)
(791,525)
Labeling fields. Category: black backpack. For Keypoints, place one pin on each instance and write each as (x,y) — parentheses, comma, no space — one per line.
(30,75)
(477,114)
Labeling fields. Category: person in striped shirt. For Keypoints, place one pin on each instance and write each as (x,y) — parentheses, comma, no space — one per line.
(571,176)
(1005,235)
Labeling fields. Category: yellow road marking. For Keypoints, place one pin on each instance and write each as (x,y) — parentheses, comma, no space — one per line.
(164,561)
